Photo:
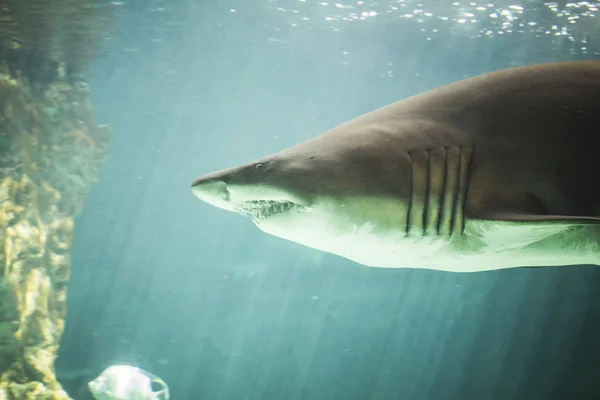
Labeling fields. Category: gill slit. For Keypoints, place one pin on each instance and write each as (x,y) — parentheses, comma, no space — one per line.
(442,197)
(438,185)
(427,191)
(455,191)
(466,188)
(410,196)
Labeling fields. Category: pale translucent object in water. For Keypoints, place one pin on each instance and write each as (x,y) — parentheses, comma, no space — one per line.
(126,382)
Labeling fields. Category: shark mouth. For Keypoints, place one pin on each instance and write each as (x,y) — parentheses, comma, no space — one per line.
(260,210)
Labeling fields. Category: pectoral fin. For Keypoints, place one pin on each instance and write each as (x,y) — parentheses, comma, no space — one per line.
(503,232)
(545,219)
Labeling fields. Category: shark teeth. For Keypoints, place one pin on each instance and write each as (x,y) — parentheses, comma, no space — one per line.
(259,210)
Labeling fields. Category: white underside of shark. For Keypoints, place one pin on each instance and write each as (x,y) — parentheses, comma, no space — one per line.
(493,245)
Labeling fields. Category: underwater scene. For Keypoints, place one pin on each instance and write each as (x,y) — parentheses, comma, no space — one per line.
(299,199)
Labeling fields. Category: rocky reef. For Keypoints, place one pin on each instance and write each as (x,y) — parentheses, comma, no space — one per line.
(51,150)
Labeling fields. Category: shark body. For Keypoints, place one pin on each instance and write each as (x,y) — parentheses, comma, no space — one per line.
(496,171)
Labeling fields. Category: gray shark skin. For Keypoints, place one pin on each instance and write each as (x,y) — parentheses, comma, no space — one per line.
(496,171)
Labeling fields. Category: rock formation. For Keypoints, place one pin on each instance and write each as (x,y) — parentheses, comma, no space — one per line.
(51,150)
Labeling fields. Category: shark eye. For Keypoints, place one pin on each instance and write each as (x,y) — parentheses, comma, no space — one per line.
(259,167)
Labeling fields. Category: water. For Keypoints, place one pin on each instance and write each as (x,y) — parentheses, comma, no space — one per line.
(219,309)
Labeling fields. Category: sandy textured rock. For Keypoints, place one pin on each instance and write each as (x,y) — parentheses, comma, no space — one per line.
(50,153)
(51,150)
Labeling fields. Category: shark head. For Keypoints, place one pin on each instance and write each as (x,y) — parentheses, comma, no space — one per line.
(326,194)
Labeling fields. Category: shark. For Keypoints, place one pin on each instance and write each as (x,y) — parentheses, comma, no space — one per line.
(499,170)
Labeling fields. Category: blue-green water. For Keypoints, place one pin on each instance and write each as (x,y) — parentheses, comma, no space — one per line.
(221,310)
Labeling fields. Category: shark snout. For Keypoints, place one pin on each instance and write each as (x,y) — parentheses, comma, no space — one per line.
(234,188)
(212,191)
